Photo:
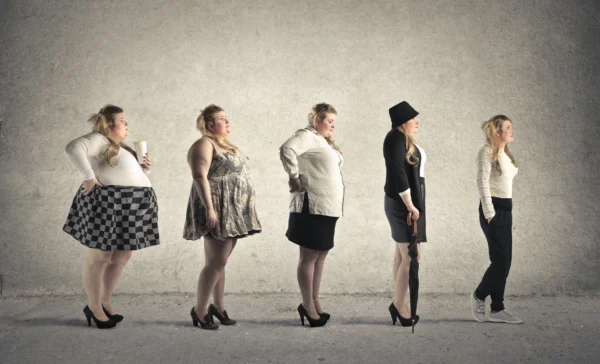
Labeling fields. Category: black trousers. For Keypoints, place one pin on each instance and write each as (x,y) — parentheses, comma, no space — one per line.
(499,238)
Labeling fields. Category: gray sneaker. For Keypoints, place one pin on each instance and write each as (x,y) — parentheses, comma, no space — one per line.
(505,317)
(477,308)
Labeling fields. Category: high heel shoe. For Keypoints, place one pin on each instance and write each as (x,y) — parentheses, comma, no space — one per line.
(224,318)
(321,321)
(89,315)
(208,323)
(405,322)
(115,317)
(324,315)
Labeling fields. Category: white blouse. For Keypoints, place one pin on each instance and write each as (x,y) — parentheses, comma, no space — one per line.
(308,155)
(423,160)
(86,154)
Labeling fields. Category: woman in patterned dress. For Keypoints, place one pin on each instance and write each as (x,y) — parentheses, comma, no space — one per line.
(221,208)
(114,212)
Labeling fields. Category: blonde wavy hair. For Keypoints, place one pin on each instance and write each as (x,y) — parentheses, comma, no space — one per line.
(101,123)
(319,112)
(490,128)
(410,146)
(206,119)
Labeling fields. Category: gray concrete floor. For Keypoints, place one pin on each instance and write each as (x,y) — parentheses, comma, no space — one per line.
(158,329)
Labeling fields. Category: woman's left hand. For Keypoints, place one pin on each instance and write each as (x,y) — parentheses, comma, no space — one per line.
(146,165)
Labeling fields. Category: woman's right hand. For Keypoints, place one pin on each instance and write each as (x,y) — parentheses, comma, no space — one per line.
(89,184)
(415,212)
(211,219)
(295,185)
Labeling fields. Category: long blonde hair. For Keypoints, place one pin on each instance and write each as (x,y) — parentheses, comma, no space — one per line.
(410,146)
(206,118)
(101,123)
(319,112)
(490,128)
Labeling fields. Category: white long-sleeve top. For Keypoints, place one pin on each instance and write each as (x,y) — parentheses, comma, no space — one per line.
(489,180)
(422,162)
(308,155)
(86,154)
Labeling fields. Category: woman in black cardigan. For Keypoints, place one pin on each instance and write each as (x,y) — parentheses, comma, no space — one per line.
(404,193)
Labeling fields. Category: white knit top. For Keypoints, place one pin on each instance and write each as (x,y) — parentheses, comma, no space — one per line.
(86,153)
(489,180)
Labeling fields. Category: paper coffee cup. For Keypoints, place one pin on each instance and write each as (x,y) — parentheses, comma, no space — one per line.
(141,148)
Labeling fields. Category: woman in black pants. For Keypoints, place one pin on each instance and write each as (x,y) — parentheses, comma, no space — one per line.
(404,193)
(496,170)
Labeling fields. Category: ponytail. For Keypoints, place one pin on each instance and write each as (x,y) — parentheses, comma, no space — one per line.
(101,124)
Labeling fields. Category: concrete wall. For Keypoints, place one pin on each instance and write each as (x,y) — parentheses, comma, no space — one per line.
(267,63)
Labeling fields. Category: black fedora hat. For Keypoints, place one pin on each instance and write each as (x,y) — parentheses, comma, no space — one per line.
(402,113)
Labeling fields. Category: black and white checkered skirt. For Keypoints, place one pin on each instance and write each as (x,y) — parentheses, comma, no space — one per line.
(114,218)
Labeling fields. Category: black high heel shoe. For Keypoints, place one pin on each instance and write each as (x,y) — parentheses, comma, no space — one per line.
(89,315)
(208,323)
(324,315)
(321,321)
(405,322)
(115,317)
(224,318)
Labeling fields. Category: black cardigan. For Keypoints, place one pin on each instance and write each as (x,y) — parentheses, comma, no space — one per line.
(399,174)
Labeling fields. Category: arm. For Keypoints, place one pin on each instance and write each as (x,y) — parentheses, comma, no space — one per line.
(289,151)
(200,159)
(78,151)
(397,157)
(484,171)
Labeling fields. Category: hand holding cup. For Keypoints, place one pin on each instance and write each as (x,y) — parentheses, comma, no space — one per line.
(146,162)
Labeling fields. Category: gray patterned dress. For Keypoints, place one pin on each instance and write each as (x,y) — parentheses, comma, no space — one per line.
(233,198)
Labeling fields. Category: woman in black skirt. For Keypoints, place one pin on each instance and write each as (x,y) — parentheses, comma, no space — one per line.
(496,169)
(113,213)
(313,163)
(404,193)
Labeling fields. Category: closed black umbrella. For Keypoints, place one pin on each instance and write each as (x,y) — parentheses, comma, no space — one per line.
(413,274)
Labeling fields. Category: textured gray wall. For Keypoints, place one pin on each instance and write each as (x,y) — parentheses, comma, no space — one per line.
(267,63)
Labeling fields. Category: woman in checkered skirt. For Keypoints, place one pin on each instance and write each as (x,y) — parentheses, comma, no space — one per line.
(221,209)
(113,213)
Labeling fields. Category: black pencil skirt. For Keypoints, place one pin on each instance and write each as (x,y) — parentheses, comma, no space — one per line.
(396,213)
(311,231)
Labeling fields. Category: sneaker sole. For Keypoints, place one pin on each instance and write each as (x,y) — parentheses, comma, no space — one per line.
(504,321)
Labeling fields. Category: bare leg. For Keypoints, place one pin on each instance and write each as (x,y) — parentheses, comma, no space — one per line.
(400,297)
(318,273)
(397,261)
(305,275)
(219,290)
(216,253)
(111,277)
(94,265)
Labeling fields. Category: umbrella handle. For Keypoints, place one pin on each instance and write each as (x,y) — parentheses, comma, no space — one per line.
(410,221)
